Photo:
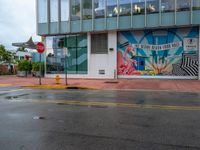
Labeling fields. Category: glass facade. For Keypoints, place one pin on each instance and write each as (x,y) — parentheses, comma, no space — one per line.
(167,5)
(99,8)
(183,5)
(112,9)
(42,11)
(152,6)
(138,7)
(54,10)
(75,10)
(196,4)
(87,9)
(64,10)
(124,7)
(74,58)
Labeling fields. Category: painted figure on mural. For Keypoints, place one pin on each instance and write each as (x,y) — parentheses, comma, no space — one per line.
(129,66)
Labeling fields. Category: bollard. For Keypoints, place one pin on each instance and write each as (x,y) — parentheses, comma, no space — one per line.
(57,79)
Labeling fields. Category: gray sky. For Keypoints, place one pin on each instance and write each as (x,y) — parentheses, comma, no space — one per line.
(17,21)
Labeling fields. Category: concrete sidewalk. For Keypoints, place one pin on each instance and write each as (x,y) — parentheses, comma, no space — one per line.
(123,84)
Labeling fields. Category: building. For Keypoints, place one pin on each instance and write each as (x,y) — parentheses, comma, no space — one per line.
(121,38)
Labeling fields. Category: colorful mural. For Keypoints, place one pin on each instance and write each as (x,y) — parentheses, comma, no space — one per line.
(163,52)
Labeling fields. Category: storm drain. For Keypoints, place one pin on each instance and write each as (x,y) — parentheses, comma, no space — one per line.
(111,82)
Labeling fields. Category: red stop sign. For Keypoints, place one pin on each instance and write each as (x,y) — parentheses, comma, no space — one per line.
(40,47)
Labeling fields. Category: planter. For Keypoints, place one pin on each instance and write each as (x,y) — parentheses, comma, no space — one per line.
(22,73)
(37,74)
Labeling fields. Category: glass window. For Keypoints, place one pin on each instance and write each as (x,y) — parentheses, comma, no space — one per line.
(64,10)
(54,10)
(87,9)
(167,5)
(99,8)
(42,11)
(124,7)
(112,9)
(76,60)
(138,7)
(183,5)
(152,6)
(75,10)
(196,4)
(54,56)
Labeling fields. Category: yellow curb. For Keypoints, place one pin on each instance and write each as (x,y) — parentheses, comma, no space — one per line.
(4,85)
(57,87)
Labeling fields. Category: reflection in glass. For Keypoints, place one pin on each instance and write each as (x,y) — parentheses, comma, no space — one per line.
(64,10)
(124,7)
(183,5)
(42,11)
(112,9)
(75,10)
(76,60)
(152,6)
(54,10)
(87,9)
(138,6)
(167,5)
(99,8)
(54,55)
(196,4)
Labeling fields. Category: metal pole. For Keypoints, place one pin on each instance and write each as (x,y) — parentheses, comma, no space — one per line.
(40,83)
(66,68)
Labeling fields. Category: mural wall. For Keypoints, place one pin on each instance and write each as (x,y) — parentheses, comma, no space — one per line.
(164,52)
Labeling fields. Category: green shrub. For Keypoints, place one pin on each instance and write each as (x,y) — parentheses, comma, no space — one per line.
(24,65)
(36,66)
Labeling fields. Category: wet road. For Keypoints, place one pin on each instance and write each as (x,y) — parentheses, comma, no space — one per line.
(98,120)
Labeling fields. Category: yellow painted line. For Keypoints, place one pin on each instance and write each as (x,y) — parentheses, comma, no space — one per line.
(4,85)
(108,104)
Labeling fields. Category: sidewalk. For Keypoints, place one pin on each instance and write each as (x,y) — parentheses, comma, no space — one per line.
(124,84)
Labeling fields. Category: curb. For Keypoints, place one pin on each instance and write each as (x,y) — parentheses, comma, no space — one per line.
(58,87)
(5,85)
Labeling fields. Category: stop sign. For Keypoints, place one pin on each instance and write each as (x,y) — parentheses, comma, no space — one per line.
(40,47)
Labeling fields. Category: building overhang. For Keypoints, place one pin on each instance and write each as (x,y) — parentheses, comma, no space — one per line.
(29,44)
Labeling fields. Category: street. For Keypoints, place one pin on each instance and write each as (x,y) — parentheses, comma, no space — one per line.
(48,119)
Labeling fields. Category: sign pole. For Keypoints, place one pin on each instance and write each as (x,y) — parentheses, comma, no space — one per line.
(66,67)
(40,80)
(66,71)
(40,48)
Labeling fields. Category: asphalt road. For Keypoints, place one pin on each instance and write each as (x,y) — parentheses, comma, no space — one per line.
(98,120)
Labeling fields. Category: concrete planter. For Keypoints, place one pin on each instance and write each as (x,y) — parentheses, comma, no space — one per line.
(22,73)
(37,74)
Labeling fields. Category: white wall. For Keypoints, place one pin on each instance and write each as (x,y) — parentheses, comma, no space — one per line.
(107,62)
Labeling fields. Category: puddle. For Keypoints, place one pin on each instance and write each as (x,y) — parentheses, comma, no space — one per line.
(140,102)
(39,118)
(15,97)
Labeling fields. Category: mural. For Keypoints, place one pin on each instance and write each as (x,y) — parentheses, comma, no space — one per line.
(163,52)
